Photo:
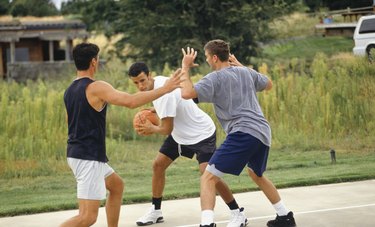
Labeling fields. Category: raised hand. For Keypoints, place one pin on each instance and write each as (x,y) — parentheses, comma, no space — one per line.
(188,58)
(174,81)
(233,60)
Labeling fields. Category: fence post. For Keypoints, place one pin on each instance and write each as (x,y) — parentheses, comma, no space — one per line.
(333,156)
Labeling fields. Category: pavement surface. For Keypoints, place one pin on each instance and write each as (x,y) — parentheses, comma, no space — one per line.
(332,205)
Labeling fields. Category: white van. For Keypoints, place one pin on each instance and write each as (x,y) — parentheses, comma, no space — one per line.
(364,35)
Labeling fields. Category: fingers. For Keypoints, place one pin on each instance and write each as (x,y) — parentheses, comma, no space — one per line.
(177,72)
(189,57)
(189,51)
(143,128)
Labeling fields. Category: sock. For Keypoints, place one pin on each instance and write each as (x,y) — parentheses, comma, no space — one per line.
(157,202)
(207,217)
(280,208)
(233,205)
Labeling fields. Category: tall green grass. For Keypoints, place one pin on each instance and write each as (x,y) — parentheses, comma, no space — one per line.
(332,103)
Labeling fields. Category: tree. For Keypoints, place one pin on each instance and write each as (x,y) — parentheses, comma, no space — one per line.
(4,7)
(157,30)
(97,14)
(337,5)
(36,8)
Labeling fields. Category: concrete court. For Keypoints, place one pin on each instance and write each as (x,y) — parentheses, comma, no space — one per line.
(332,205)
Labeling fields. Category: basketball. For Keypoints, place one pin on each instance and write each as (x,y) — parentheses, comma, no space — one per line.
(141,116)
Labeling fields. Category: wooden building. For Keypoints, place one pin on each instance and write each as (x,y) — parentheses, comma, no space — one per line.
(37,46)
(350,19)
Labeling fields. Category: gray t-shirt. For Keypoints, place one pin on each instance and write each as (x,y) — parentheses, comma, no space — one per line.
(232,90)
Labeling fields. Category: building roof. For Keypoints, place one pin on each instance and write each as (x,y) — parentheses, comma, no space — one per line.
(44,28)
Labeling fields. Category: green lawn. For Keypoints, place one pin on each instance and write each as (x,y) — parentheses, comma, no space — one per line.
(307,47)
(285,169)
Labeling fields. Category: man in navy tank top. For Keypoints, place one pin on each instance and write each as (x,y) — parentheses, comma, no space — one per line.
(86,102)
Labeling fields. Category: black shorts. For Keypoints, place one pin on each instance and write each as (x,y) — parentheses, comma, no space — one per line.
(203,149)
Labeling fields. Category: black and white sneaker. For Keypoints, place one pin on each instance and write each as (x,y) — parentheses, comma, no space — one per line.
(211,225)
(283,221)
(151,217)
(238,218)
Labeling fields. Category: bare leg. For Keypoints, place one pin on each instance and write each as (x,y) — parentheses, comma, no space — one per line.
(88,213)
(266,186)
(208,190)
(159,166)
(115,186)
(221,187)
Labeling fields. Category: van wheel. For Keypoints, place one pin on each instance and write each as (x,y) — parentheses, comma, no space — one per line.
(370,50)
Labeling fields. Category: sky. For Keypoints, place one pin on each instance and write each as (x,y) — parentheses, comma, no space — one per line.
(58,3)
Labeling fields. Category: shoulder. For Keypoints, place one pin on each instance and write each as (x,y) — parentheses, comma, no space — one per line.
(159,81)
(98,86)
(161,78)
(241,69)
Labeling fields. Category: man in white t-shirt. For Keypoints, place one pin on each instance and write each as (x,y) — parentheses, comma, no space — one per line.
(189,131)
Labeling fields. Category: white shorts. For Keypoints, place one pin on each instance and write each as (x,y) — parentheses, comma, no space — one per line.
(90,177)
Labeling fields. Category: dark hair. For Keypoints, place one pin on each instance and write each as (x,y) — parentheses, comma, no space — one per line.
(137,68)
(83,54)
(219,48)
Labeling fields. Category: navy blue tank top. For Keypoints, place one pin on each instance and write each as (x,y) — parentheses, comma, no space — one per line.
(86,133)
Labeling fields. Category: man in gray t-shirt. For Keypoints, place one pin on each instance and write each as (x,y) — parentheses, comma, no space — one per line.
(232,90)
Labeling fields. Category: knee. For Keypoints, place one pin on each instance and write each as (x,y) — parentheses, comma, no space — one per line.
(88,219)
(120,185)
(202,167)
(208,177)
(116,186)
(257,179)
(158,167)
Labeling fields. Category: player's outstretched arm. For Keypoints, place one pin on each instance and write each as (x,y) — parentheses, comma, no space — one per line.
(187,87)
(107,93)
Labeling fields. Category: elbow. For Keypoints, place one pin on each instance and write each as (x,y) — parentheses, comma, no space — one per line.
(269,85)
(131,105)
(165,129)
(168,131)
(186,95)
(165,132)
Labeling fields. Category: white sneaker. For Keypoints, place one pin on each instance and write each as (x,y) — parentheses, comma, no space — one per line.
(238,218)
(151,217)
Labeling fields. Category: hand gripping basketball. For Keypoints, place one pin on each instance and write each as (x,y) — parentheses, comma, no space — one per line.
(141,117)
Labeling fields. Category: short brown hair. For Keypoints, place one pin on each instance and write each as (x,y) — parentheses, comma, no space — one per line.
(219,48)
(83,53)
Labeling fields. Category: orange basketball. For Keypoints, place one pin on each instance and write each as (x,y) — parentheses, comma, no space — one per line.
(141,116)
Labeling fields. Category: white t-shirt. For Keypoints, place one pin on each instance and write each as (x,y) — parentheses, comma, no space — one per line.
(190,124)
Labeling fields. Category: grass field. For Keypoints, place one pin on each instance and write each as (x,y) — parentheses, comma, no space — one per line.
(286,168)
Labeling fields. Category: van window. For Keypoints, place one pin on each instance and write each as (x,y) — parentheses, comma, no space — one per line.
(367,26)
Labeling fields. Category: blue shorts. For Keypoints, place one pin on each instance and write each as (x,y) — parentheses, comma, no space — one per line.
(237,150)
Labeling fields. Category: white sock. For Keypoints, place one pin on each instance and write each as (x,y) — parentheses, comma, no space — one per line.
(207,217)
(280,208)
